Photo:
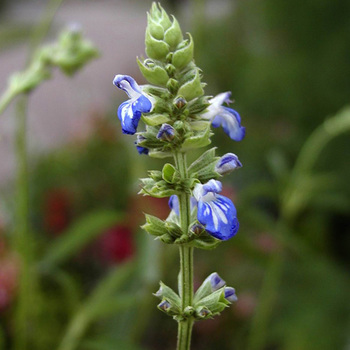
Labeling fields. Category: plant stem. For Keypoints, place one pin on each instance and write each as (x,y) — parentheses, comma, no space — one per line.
(186,261)
(6,99)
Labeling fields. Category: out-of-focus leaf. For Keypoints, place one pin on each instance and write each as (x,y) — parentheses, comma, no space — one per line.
(103,300)
(78,235)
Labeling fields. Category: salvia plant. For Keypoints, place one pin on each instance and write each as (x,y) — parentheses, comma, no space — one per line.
(178,117)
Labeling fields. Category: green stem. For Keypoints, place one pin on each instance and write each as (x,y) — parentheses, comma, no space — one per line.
(6,99)
(21,240)
(186,261)
(27,306)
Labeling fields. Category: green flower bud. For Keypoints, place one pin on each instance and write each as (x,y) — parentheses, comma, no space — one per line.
(183,54)
(192,88)
(173,35)
(155,29)
(165,292)
(155,48)
(180,103)
(159,16)
(72,51)
(170,69)
(154,73)
(172,85)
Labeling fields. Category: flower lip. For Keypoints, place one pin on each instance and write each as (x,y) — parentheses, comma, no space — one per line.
(127,84)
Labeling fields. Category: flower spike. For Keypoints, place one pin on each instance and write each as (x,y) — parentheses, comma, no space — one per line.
(215,211)
(130,111)
(228,118)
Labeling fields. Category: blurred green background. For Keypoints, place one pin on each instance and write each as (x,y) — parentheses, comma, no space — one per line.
(92,270)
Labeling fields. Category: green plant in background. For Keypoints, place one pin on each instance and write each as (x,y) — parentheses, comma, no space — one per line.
(178,118)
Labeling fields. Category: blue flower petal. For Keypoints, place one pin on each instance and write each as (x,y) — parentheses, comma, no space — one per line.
(128,117)
(130,111)
(142,150)
(218,214)
(174,204)
(230,121)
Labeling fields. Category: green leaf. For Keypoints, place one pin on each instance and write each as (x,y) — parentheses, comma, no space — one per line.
(82,232)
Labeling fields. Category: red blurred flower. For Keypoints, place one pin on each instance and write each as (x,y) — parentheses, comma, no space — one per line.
(56,211)
(117,244)
(8,279)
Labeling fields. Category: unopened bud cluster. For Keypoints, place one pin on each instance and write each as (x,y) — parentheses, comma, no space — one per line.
(70,53)
(211,298)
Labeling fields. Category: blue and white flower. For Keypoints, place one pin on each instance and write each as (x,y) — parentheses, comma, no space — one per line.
(216,212)
(130,111)
(227,163)
(228,118)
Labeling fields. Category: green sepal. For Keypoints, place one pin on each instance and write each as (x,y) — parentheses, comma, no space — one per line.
(192,88)
(200,125)
(171,310)
(170,174)
(203,168)
(183,54)
(165,292)
(156,91)
(173,229)
(214,302)
(167,238)
(158,14)
(205,241)
(156,49)
(155,175)
(173,35)
(155,119)
(154,73)
(198,105)
(202,313)
(158,189)
(198,140)
(154,226)
(155,29)
(159,154)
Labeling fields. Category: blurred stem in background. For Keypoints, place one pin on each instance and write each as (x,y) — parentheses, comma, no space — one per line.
(27,305)
(294,198)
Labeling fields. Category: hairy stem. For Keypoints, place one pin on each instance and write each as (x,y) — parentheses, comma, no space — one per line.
(186,261)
